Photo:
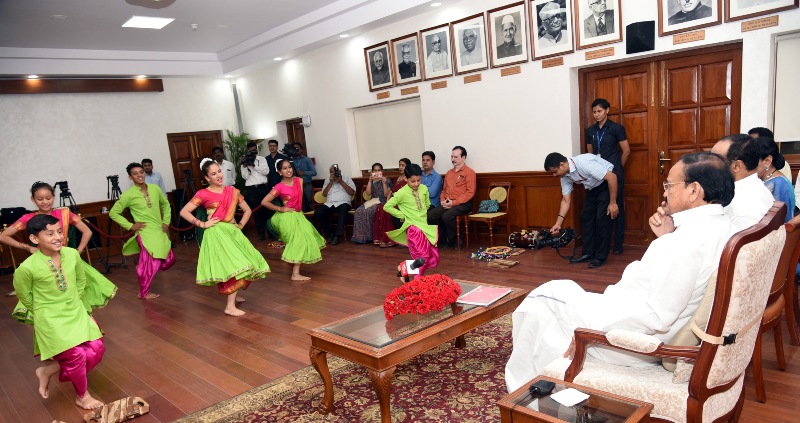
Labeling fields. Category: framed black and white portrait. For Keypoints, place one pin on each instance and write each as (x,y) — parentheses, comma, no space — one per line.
(744,9)
(437,58)
(508,38)
(598,22)
(676,16)
(406,56)
(379,66)
(551,28)
(468,41)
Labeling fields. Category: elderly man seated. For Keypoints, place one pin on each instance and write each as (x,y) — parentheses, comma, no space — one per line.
(656,295)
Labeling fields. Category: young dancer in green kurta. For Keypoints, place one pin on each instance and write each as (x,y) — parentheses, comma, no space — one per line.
(51,284)
(150,210)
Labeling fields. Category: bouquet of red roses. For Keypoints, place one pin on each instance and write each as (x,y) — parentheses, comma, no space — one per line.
(424,294)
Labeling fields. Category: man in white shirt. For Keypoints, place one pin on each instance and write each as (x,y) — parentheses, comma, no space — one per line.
(254,171)
(338,191)
(228,171)
(656,295)
(438,60)
(151,176)
(472,53)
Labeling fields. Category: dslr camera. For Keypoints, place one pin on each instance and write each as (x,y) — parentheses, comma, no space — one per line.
(290,150)
(249,158)
(337,173)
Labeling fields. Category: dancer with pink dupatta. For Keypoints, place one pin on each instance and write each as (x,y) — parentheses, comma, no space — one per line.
(227,258)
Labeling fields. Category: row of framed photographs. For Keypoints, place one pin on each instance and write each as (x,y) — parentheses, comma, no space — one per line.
(461,46)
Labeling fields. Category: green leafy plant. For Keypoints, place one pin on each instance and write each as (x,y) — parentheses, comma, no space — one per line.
(236,146)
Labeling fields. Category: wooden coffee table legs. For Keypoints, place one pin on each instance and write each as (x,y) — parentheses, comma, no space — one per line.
(382,383)
(319,359)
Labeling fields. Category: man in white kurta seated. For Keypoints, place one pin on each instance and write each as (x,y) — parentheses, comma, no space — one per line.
(656,295)
(752,199)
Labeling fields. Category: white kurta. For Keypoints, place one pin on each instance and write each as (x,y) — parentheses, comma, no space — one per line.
(751,202)
(656,296)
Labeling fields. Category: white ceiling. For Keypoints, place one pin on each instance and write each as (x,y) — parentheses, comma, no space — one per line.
(231,35)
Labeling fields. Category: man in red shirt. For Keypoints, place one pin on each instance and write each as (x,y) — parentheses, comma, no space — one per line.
(456,197)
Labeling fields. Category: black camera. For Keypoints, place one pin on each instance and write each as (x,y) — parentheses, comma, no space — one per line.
(113,179)
(62,185)
(249,158)
(337,173)
(538,239)
(290,150)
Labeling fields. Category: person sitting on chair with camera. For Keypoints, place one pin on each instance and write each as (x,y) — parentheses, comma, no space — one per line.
(255,172)
(597,175)
(338,191)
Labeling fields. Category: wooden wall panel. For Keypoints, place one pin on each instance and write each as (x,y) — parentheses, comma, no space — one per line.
(683,126)
(716,84)
(50,86)
(634,91)
(714,123)
(682,87)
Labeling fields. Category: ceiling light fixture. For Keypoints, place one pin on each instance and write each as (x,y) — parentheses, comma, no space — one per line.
(278,59)
(437,4)
(33,76)
(344,35)
(147,22)
(229,76)
(141,76)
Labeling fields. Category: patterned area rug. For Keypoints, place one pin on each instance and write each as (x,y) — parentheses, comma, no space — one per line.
(445,384)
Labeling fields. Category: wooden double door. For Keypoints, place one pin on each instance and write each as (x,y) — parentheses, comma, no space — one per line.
(669,106)
(186,149)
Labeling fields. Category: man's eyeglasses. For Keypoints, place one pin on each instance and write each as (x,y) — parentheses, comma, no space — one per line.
(596,2)
(554,17)
(436,42)
(669,184)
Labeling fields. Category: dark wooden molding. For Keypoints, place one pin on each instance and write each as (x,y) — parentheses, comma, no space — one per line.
(54,86)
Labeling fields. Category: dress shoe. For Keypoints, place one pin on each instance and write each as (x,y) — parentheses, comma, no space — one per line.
(335,240)
(581,259)
(596,263)
(617,251)
(261,237)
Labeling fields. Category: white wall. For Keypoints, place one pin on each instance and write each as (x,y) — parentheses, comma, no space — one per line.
(506,124)
(82,138)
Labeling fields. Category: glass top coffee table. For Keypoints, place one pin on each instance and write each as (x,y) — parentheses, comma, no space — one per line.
(521,406)
(369,340)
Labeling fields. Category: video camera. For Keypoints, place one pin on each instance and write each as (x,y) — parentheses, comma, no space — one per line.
(540,238)
(62,185)
(290,150)
(249,158)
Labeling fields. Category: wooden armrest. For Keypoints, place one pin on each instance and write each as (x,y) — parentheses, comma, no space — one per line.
(585,337)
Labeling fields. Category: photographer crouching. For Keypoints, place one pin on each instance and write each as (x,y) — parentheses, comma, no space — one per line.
(255,172)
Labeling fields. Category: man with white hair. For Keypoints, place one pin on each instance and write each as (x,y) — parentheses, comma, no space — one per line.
(553,30)
(601,22)
(438,59)
(472,53)
(407,68)
(380,72)
(510,46)
(690,10)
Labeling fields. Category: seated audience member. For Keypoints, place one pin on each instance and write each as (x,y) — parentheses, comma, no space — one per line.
(752,199)
(771,161)
(656,295)
(431,178)
(456,197)
(385,222)
(378,188)
(599,208)
(227,168)
(761,132)
(305,170)
(338,191)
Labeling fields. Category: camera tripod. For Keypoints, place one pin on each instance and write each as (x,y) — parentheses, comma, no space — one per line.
(113,195)
(65,197)
(187,187)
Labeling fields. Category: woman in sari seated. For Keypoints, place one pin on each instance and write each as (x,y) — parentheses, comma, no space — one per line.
(227,258)
(99,290)
(771,160)
(384,221)
(378,189)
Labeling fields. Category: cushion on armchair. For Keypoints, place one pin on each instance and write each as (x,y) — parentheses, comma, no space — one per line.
(633,341)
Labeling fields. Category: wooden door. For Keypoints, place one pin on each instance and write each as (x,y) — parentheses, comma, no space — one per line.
(673,105)
(296,132)
(186,150)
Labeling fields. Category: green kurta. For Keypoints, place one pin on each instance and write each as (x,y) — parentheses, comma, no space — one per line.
(60,320)
(154,239)
(414,212)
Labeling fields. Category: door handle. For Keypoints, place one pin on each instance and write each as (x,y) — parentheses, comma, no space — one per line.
(661,160)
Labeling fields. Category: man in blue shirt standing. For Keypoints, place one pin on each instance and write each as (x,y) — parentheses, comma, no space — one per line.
(306,170)
(430,178)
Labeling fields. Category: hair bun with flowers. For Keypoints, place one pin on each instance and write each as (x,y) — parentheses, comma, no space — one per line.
(202,162)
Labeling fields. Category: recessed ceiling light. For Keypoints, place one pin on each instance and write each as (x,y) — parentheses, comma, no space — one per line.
(344,35)
(33,76)
(58,16)
(437,4)
(229,76)
(147,22)
(278,59)
(141,76)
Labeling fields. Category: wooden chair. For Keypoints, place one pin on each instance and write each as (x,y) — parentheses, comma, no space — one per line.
(713,388)
(779,300)
(500,192)
(319,199)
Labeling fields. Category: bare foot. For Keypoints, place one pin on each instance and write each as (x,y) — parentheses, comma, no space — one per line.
(233,311)
(88,402)
(44,374)
(299,277)
(150,296)
(239,299)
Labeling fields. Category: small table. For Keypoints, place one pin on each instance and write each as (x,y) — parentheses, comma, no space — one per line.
(522,407)
(369,340)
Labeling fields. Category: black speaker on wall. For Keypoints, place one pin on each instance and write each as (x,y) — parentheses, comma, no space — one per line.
(640,36)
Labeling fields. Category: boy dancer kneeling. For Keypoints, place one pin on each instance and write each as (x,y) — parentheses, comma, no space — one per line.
(51,283)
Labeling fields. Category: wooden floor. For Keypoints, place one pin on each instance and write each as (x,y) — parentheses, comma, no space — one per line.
(182,354)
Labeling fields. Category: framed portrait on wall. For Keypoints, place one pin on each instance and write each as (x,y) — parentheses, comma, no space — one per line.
(597,22)
(406,56)
(676,16)
(468,42)
(743,9)
(551,27)
(508,38)
(379,66)
(435,43)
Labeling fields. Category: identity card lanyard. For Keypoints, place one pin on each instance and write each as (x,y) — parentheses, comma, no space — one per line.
(600,137)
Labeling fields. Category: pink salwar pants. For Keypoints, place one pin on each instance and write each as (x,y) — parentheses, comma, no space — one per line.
(419,246)
(77,361)
(148,266)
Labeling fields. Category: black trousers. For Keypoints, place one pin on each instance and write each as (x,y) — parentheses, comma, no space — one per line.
(323,215)
(619,222)
(253,197)
(596,223)
(446,219)
(308,196)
